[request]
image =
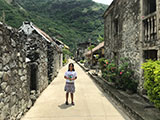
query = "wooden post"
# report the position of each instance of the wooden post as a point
(152, 28)
(145, 31)
(155, 27)
(149, 29)
(3, 17)
(158, 19)
(91, 52)
(91, 56)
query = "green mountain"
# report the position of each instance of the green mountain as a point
(71, 21)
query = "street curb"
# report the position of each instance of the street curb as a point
(120, 99)
(108, 89)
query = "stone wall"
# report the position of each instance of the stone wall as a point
(14, 85)
(50, 50)
(137, 36)
(26, 64)
(61, 59)
(55, 60)
(50, 62)
(123, 33)
(37, 54)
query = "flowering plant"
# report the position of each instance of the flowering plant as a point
(121, 74)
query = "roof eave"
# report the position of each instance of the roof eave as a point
(111, 6)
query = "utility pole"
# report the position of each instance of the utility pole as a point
(91, 52)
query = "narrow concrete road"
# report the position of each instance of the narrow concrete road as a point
(90, 103)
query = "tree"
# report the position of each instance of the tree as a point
(100, 39)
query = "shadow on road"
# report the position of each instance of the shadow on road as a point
(64, 106)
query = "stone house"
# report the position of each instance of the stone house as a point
(36, 38)
(131, 30)
(29, 59)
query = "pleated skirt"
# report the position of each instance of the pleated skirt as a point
(69, 87)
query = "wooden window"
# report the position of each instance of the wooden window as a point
(33, 76)
(150, 28)
(150, 54)
(149, 6)
(116, 26)
(115, 57)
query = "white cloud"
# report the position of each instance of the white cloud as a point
(108, 2)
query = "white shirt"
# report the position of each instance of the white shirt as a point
(70, 74)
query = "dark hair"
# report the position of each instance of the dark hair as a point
(72, 66)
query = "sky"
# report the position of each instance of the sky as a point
(108, 2)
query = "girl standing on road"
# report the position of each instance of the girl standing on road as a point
(70, 77)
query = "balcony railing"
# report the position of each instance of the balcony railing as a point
(150, 27)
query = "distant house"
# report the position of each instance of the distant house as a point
(131, 29)
(81, 49)
(96, 53)
(99, 49)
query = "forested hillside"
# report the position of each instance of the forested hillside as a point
(71, 21)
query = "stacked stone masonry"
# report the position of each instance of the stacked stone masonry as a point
(14, 86)
(37, 53)
(24, 70)
(130, 30)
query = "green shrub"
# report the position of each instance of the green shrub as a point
(81, 61)
(66, 52)
(110, 70)
(101, 63)
(125, 76)
(152, 81)
(107, 69)
(122, 74)
(65, 61)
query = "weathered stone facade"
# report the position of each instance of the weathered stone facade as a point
(131, 31)
(59, 48)
(52, 51)
(55, 60)
(37, 56)
(27, 63)
(14, 84)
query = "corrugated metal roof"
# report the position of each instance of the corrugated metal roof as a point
(65, 46)
(95, 49)
(46, 36)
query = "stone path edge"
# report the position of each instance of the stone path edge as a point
(116, 96)
(110, 94)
